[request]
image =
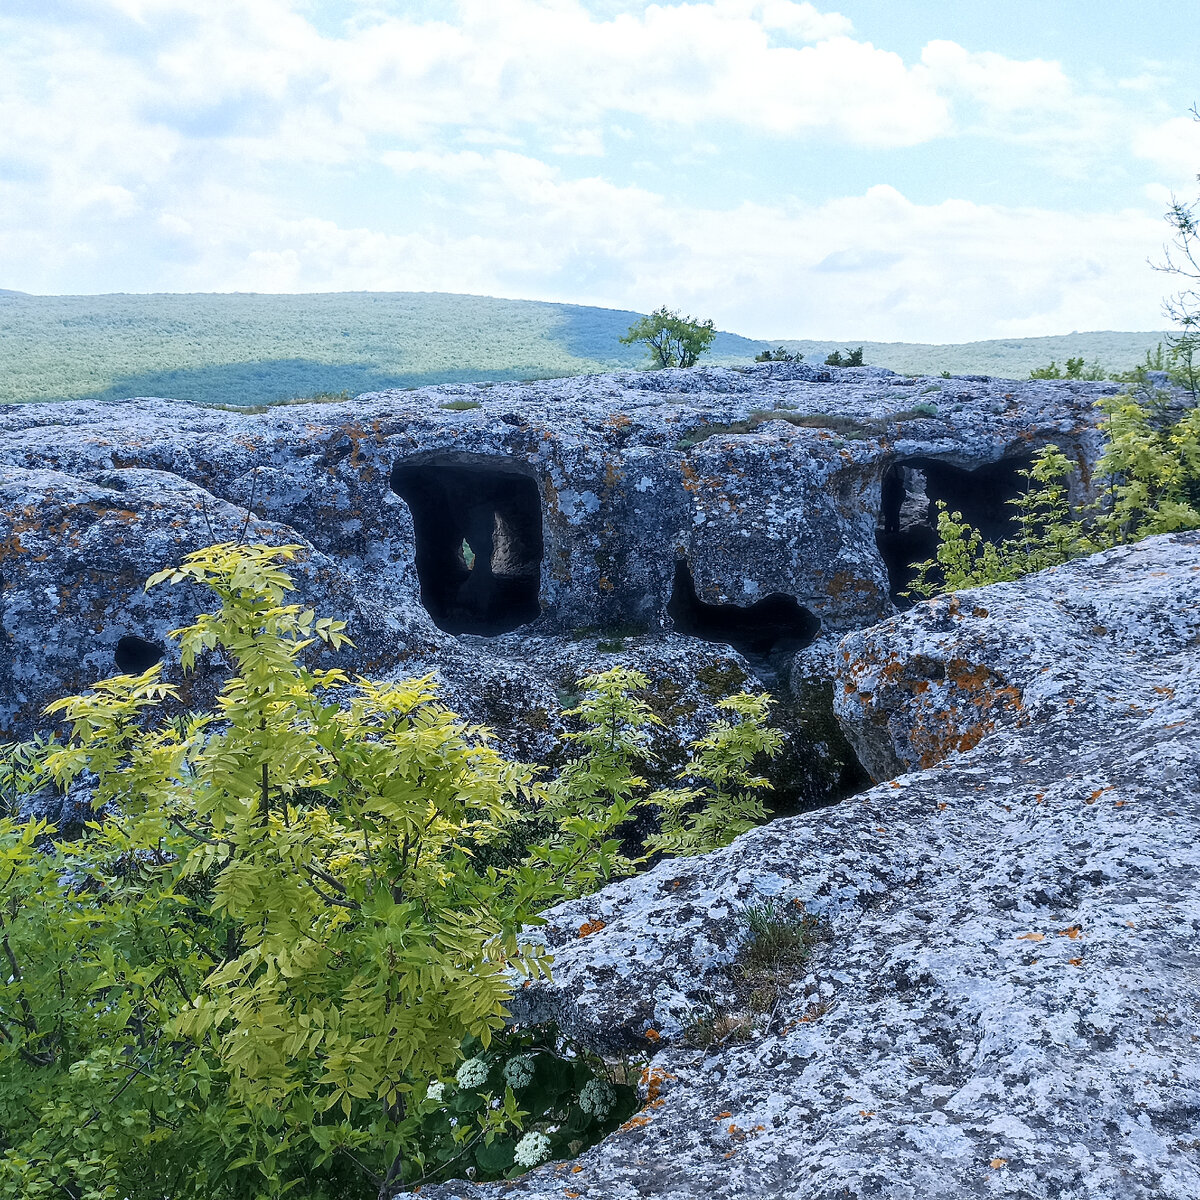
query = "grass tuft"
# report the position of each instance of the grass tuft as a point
(781, 942)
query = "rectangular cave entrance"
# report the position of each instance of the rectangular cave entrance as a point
(907, 528)
(478, 525)
(776, 625)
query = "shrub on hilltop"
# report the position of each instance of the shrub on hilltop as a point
(673, 341)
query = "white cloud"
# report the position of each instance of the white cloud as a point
(1173, 147)
(522, 63)
(179, 144)
(803, 21)
(1000, 84)
(1031, 102)
(872, 265)
(587, 143)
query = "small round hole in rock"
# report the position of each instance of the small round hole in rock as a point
(135, 654)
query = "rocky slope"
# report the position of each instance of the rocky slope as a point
(1008, 1001)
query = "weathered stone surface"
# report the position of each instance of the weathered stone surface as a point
(914, 689)
(76, 557)
(1013, 967)
(583, 495)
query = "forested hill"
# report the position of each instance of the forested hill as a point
(255, 349)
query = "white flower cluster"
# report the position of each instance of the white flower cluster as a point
(472, 1074)
(597, 1098)
(532, 1149)
(518, 1071)
(435, 1092)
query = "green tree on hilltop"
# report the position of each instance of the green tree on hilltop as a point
(1182, 258)
(673, 341)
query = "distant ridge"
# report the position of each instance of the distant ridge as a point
(247, 348)
(1010, 358)
(10, 292)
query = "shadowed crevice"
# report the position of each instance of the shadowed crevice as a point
(776, 624)
(906, 532)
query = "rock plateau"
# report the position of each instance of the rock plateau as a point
(716, 527)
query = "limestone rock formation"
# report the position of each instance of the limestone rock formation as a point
(1008, 997)
(1008, 1001)
(511, 536)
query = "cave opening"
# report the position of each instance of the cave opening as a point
(134, 654)
(907, 529)
(777, 625)
(478, 527)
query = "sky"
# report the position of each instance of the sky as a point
(926, 170)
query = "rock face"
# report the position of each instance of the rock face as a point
(476, 529)
(1008, 1001)
(957, 667)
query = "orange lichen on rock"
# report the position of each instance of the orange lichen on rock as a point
(846, 581)
(653, 1079)
(590, 927)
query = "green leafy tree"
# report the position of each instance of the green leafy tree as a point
(282, 906)
(673, 340)
(1075, 369)
(782, 354)
(725, 798)
(850, 358)
(252, 976)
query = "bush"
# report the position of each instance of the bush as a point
(673, 341)
(851, 358)
(568, 1098)
(242, 981)
(780, 355)
(1151, 472)
(1074, 370)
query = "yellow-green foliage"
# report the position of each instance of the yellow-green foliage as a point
(242, 980)
(1150, 469)
(725, 796)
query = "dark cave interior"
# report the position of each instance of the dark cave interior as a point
(478, 524)
(776, 624)
(907, 529)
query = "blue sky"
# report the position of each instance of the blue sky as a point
(933, 170)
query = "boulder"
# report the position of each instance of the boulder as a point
(1007, 1000)
(914, 689)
